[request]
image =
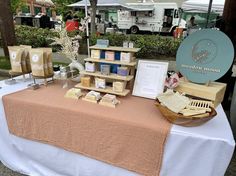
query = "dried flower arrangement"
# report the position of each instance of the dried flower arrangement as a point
(70, 48)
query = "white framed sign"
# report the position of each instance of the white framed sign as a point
(150, 78)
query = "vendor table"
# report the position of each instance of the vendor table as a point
(205, 150)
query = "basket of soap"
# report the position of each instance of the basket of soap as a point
(182, 110)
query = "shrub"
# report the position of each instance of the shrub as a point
(152, 46)
(36, 37)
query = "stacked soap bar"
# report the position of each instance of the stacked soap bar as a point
(89, 67)
(100, 83)
(126, 57)
(86, 81)
(118, 86)
(123, 71)
(110, 55)
(105, 69)
(95, 54)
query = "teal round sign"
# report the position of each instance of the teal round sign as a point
(205, 55)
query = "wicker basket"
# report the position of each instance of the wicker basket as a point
(187, 121)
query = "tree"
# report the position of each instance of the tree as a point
(17, 4)
(229, 20)
(228, 26)
(6, 25)
(93, 15)
(61, 5)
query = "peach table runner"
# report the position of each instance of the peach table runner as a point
(131, 136)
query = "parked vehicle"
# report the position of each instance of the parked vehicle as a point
(153, 17)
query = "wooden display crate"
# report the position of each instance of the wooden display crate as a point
(214, 91)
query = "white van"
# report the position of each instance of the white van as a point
(153, 17)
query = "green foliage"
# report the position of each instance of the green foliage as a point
(80, 15)
(5, 63)
(15, 4)
(61, 5)
(152, 46)
(36, 37)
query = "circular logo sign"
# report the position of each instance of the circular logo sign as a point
(35, 58)
(205, 55)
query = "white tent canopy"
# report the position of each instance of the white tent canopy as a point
(202, 6)
(105, 3)
(45, 2)
(100, 3)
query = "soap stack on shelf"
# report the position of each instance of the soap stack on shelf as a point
(109, 70)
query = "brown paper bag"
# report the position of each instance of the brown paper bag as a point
(16, 59)
(37, 62)
(48, 60)
(27, 48)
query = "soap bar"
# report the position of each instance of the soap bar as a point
(126, 57)
(100, 83)
(123, 71)
(95, 54)
(86, 81)
(73, 93)
(89, 67)
(108, 98)
(92, 95)
(110, 55)
(118, 86)
(105, 69)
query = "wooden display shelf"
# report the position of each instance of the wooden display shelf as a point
(114, 48)
(107, 90)
(111, 76)
(111, 62)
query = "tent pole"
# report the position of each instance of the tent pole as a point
(209, 12)
(87, 29)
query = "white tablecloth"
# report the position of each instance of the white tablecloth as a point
(197, 151)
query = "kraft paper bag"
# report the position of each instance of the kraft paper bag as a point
(16, 59)
(48, 60)
(37, 62)
(27, 48)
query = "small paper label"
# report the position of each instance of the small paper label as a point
(13, 55)
(35, 58)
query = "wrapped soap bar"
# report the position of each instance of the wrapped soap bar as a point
(92, 95)
(89, 67)
(118, 86)
(73, 93)
(86, 81)
(95, 54)
(110, 55)
(105, 69)
(123, 71)
(126, 57)
(100, 83)
(108, 98)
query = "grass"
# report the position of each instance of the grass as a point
(6, 65)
